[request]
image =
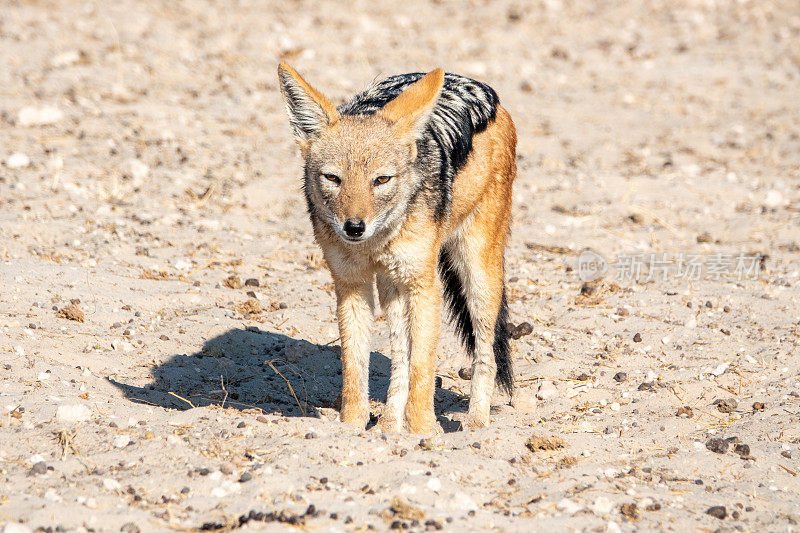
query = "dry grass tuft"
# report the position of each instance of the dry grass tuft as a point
(71, 312)
(536, 443)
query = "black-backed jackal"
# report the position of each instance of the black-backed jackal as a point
(409, 183)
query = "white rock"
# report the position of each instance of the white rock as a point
(73, 413)
(56, 163)
(692, 322)
(13, 527)
(568, 506)
(136, 169)
(65, 59)
(602, 505)
(182, 264)
(434, 484)
(613, 527)
(33, 459)
(614, 406)
(774, 199)
(120, 441)
(218, 492)
(18, 160)
(464, 502)
(546, 390)
(52, 495)
(407, 489)
(112, 484)
(39, 116)
(719, 370)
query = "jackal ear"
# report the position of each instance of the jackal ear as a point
(309, 111)
(410, 110)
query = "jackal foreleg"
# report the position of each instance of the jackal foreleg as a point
(425, 304)
(394, 302)
(354, 311)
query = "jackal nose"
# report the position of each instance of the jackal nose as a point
(354, 227)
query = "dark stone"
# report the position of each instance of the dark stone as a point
(717, 445)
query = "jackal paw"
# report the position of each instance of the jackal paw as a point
(357, 417)
(389, 424)
(425, 426)
(477, 420)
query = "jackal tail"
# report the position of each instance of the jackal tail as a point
(456, 300)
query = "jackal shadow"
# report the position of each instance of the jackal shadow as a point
(247, 369)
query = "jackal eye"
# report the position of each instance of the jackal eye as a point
(332, 177)
(380, 180)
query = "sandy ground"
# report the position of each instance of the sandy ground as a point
(146, 158)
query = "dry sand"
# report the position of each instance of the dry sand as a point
(146, 158)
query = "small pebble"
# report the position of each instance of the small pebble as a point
(637, 337)
(233, 282)
(546, 391)
(251, 282)
(245, 477)
(38, 469)
(619, 377)
(758, 406)
(522, 330)
(717, 445)
(623, 311)
(704, 237)
(728, 405)
(718, 511)
(742, 449)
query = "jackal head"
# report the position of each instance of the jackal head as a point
(359, 169)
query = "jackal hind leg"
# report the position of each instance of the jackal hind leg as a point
(479, 265)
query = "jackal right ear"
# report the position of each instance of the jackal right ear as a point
(309, 111)
(410, 110)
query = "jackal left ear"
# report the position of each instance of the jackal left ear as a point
(309, 111)
(410, 110)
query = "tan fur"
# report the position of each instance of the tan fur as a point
(317, 96)
(405, 261)
(407, 110)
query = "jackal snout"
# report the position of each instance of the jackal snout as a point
(354, 227)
